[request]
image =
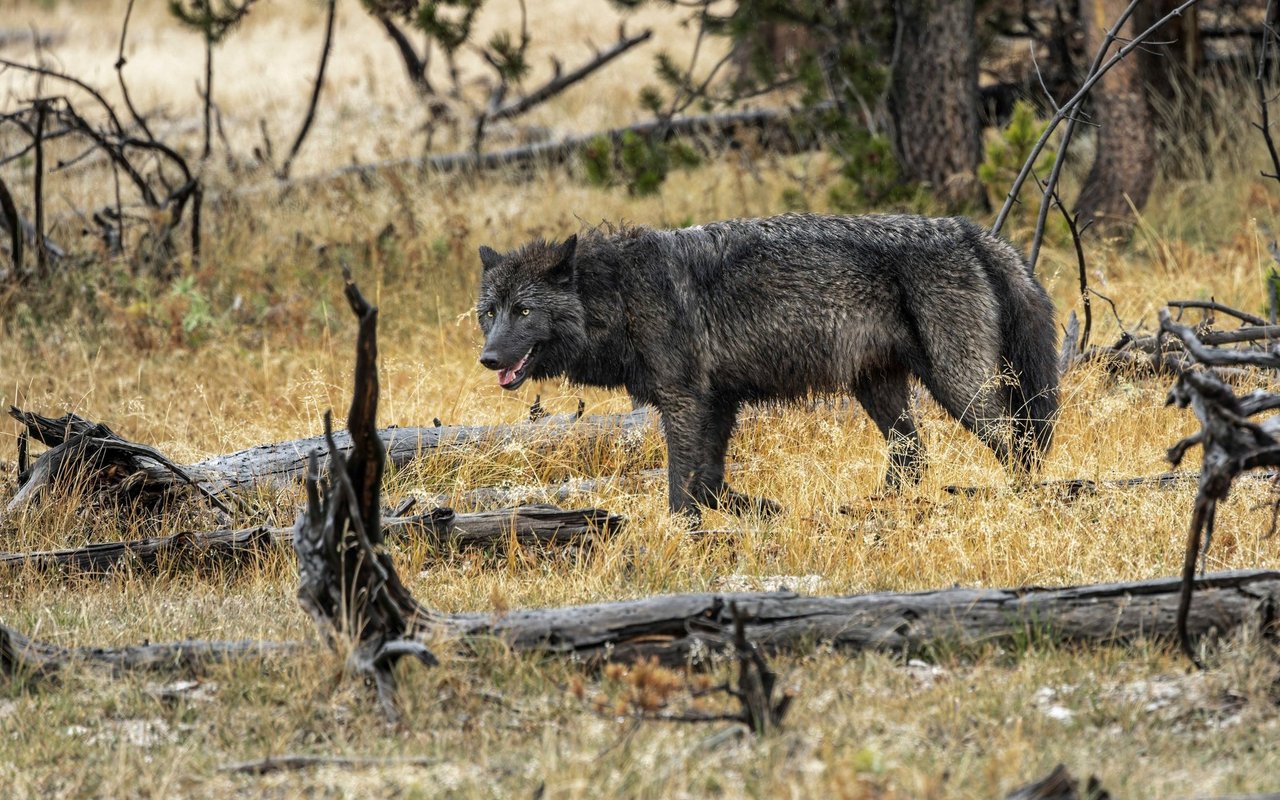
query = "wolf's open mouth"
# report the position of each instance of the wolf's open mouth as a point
(513, 376)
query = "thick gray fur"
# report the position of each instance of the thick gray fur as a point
(699, 320)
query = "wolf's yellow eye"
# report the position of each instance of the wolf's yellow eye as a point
(489, 313)
(524, 312)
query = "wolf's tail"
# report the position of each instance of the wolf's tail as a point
(1029, 346)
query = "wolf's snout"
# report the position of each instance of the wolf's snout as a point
(489, 360)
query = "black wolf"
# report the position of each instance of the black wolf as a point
(699, 320)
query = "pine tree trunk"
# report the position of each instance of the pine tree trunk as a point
(934, 97)
(1125, 162)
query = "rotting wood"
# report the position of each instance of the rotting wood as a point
(527, 526)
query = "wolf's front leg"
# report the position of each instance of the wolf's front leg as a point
(683, 422)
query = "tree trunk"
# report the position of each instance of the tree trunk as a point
(1123, 168)
(934, 98)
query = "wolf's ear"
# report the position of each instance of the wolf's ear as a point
(562, 269)
(489, 258)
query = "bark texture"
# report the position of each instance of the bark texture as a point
(934, 97)
(1124, 166)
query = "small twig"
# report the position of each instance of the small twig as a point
(1072, 220)
(124, 89)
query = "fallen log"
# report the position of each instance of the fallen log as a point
(285, 462)
(780, 132)
(679, 627)
(688, 627)
(528, 526)
(22, 658)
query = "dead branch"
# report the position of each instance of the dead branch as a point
(1212, 305)
(1068, 110)
(325, 48)
(120, 145)
(1231, 443)
(1260, 86)
(138, 119)
(559, 83)
(444, 529)
(42, 255)
(1051, 185)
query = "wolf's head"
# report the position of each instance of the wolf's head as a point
(530, 311)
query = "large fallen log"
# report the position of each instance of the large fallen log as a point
(285, 462)
(528, 526)
(679, 627)
(688, 627)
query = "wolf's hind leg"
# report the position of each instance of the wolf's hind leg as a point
(887, 401)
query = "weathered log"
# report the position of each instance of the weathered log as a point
(780, 132)
(285, 462)
(289, 763)
(528, 526)
(675, 628)
(22, 658)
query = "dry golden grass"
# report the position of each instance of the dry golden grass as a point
(256, 345)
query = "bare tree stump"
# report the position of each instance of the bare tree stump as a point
(347, 581)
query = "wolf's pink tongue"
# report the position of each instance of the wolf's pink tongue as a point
(508, 376)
